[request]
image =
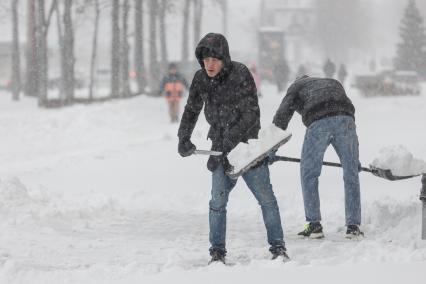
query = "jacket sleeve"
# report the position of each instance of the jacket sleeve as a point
(287, 107)
(248, 107)
(192, 110)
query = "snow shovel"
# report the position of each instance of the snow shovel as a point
(207, 152)
(383, 173)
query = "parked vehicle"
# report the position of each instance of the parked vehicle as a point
(389, 83)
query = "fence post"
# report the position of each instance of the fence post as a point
(423, 199)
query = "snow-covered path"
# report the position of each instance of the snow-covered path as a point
(98, 194)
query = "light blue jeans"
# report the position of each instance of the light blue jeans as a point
(257, 180)
(339, 131)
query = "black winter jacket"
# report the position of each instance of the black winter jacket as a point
(313, 98)
(229, 99)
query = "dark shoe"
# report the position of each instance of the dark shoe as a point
(354, 232)
(312, 230)
(278, 251)
(218, 255)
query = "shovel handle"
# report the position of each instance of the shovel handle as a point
(330, 164)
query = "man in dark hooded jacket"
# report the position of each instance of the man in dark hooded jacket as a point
(329, 116)
(228, 93)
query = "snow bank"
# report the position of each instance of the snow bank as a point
(244, 153)
(400, 161)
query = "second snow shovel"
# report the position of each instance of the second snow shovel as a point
(383, 173)
(207, 152)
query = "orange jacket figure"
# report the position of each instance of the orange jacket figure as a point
(172, 87)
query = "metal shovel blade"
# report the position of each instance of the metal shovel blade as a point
(387, 174)
(207, 152)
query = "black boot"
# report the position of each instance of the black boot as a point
(218, 255)
(353, 232)
(278, 251)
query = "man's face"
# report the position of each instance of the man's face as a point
(212, 66)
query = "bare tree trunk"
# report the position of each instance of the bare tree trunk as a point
(31, 87)
(125, 51)
(62, 53)
(16, 61)
(163, 32)
(115, 49)
(185, 34)
(139, 49)
(42, 67)
(198, 13)
(68, 53)
(153, 64)
(94, 49)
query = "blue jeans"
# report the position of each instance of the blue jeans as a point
(339, 131)
(257, 180)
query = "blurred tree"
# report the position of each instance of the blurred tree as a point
(31, 51)
(16, 63)
(163, 8)
(42, 64)
(68, 53)
(185, 33)
(94, 48)
(115, 49)
(139, 47)
(125, 92)
(411, 52)
(153, 60)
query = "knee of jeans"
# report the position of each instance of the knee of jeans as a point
(218, 205)
(310, 174)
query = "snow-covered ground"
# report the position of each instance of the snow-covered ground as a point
(98, 194)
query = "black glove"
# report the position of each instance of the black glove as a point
(185, 147)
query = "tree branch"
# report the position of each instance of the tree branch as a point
(49, 17)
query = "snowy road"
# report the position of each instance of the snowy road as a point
(98, 194)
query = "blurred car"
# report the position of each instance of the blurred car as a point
(389, 83)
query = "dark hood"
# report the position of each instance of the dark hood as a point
(218, 44)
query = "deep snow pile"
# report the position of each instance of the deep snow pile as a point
(400, 161)
(98, 194)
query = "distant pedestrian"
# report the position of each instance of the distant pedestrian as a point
(342, 73)
(172, 87)
(281, 74)
(329, 68)
(256, 77)
(301, 71)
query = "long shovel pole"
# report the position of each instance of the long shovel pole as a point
(331, 164)
(423, 199)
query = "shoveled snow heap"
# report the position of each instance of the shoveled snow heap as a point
(400, 161)
(245, 153)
